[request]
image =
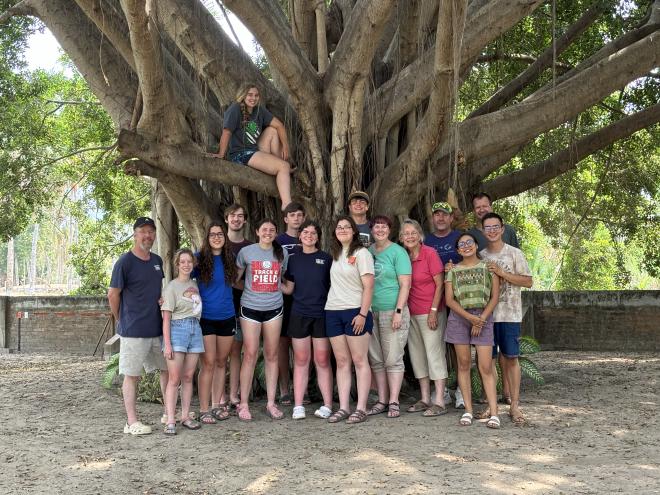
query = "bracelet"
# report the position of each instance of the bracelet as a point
(363, 316)
(434, 309)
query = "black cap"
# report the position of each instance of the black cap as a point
(142, 221)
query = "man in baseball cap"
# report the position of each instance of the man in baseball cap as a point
(358, 206)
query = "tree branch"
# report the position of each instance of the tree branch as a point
(23, 7)
(568, 158)
(189, 162)
(508, 92)
(357, 45)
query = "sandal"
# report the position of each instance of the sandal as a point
(207, 418)
(170, 429)
(359, 416)
(338, 415)
(517, 418)
(494, 423)
(274, 413)
(220, 413)
(285, 400)
(378, 408)
(484, 414)
(435, 410)
(243, 413)
(191, 424)
(505, 399)
(418, 406)
(393, 410)
(466, 419)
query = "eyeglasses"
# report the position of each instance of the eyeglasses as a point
(409, 234)
(342, 228)
(492, 228)
(216, 235)
(465, 244)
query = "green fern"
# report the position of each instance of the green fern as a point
(529, 345)
(149, 388)
(475, 381)
(452, 379)
(498, 384)
(111, 370)
(529, 369)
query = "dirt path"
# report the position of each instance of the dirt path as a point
(593, 428)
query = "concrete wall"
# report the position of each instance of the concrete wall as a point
(594, 321)
(66, 324)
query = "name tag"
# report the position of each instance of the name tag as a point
(320, 262)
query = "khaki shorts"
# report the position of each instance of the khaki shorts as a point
(137, 353)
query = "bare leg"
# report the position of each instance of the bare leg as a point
(506, 381)
(234, 369)
(359, 347)
(271, 331)
(222, 350)
(301, 357)
(380, 377)
(486, 371)
(251, 334)
(425, 389)
(129, 392)
(343, 359)
(174, 369)
(464, 360)
(439, 392)
(394, 379)
(206, 373)
(511, 369)
(272, 165)
(189, 367)
(323, 369)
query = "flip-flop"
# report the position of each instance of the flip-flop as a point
(435, 410)
(418, 406)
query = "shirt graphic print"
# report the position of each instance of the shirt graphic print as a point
(265, 275)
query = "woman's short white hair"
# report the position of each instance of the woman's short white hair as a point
(415, 225)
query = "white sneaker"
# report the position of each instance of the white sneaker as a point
(298, 412)
(460, 403)
(447, 396)
(137, 428)
(323, 412)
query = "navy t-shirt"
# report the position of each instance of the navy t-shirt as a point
(445, 246)
(288, 242)
(141, 284)
(217, 298)
(311, 274)
(245, 137)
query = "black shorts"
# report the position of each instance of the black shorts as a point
(286, 315)
(301, 327)
(256, 316)
(220, 328)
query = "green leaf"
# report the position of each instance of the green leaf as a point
(475, 380)
(529, 345)
(529, 369)
(111, 370)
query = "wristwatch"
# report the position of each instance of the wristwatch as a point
(398, 311)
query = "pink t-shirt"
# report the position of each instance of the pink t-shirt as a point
(422, 288)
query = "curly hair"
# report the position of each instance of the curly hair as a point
(206, 257)
(335, 246)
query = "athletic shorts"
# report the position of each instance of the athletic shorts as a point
(219, 328)
(301, 327)
(257, 316)
(186, 336)
(136, 354)
(459, 330)
(507, 338)
(339, 322)
(242, 157)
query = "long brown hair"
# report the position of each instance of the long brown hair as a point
(240, 99)
(335, 246)
(226, 255)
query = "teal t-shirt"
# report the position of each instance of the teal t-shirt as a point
(388, 264)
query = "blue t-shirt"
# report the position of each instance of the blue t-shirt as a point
(217, 298)
(445, 246)
(140, 282)
(311, 274)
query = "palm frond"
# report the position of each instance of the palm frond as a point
(529, 345)
(529, 369)
(111, 370)
(498, 383)
(475, 381)
(452, 379)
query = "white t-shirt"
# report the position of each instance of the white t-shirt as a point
(511, 260)
(182, 299)
(345, 282)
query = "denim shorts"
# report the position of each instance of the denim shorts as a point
(242, 156)
(338, 322)
(507, 338)
(186, 335)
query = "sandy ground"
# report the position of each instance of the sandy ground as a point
(593, 428)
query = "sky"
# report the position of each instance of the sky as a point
(44, 50)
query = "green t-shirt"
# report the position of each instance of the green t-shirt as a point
(388, 264)
(471, 285)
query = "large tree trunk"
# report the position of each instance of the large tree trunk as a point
(368, 90)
